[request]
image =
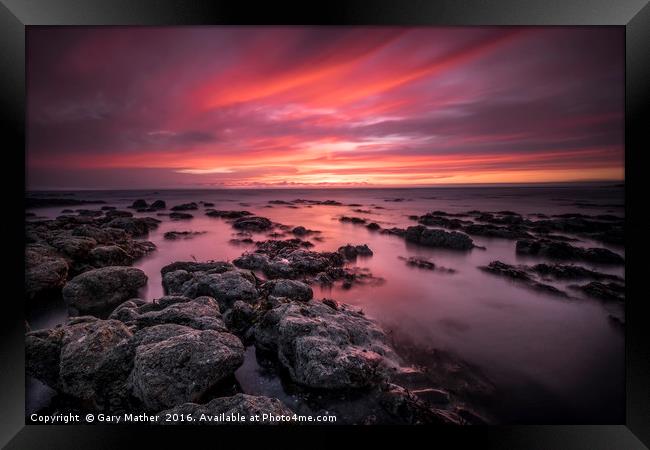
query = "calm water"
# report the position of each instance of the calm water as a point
(552, 360)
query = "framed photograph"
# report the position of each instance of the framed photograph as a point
(345, 218)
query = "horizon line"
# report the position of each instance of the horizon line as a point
(612, 183)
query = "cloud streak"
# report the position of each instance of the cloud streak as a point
(323, 106)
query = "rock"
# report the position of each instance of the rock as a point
(201, 313)
(115, 213)
(565, 251)
(418, 262)
(159, 204)
(572, 272)
(227, 214)
(252, 223)
(291, 289)
(175, 235)
(239, 317)
(521, 276)
(326, 348)
(103, 236)
(84, 353)
(74, 247)
(401, 232)
(406, 407)
(226, 287)
(185, 207)
(438, 238)
(183, 367)
(373, 226)
(506, 270)
(350, 252)
(70, 358)
(89, 212)
(603, 291)
(431, 395)
(208, 204)
(135, 226)
(355, 220)
(140, 203)
(441, 220)
(45, 271)
(302, 231)
(108, 208)
(240, 405)
(494, 231)
(110, 255)
(103, 288)
(192, 266)
(180, 216)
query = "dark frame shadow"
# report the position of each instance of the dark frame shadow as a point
(634, 15)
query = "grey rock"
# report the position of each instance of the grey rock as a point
(326, 348)
(103, 288)
(183, 367)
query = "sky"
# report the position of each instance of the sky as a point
(270, 107)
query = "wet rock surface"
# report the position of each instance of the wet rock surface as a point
(438, 238)
(176, 235)
(240, 404)
(99, 289)
(326, 348)
(564, 251)
(521, 276)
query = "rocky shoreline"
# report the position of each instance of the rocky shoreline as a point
(179, 353)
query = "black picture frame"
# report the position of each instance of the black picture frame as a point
(634, 15)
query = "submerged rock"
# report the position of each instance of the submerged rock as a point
(603, 291)
(103, 288)
(175, 235)
(521, 276)
(351, 252)
(563, 250)
(180, 216)
(227, 214)
(238, 405)
(185, 207)
(252, 223)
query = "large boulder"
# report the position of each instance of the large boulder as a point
(70, 358)
(240, 405)
(100, 289)
(326, 345)
(183, 367)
